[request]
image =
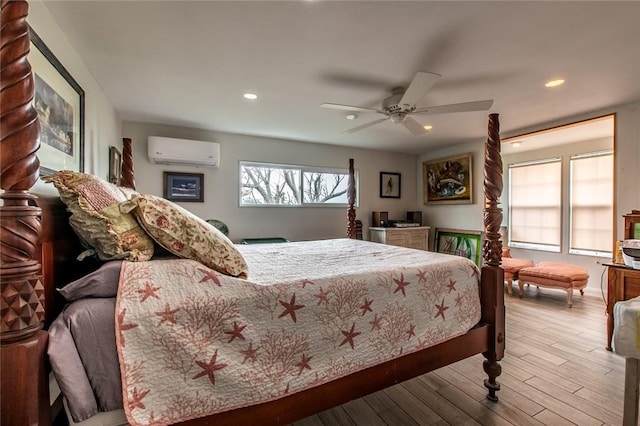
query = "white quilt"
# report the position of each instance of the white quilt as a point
(193, 342)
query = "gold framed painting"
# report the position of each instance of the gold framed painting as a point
(448, 180)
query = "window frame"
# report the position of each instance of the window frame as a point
(302, 170)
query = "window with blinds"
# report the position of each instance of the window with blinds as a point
(591, 204)
(535, 206)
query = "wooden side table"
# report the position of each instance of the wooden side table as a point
(623, 283)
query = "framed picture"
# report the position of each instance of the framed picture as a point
(59, 102)
(389, 185)
(460, 243)
(184, 186)
(448, 180)
(115, 165)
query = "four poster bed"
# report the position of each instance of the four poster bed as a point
(39, 250)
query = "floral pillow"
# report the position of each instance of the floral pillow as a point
(96, 217)
(186, 235)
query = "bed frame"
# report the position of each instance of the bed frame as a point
(38, 251)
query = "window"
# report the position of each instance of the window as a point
(535, 208)
(591, 204)
(265, 184)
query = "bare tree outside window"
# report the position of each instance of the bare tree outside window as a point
(276, 185)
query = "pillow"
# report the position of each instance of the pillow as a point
(186, 235)
(103, 282)
(96, 217)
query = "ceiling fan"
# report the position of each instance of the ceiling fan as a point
(401, 105)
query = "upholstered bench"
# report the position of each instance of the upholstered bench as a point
(511, 266)
(555, 275)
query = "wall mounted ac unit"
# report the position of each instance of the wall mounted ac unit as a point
(183, 152)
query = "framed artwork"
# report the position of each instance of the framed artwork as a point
(59, 102)
(460, 243)
(183, 186)
(448, 180)
(389, 185)
(115, 165)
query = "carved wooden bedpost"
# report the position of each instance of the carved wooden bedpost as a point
(25, 386)
(126, 175)
(492, 255)
(351, 199)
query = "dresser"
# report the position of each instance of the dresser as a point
(415, 237)
(623, 283)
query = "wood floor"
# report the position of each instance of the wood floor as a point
(555, 372)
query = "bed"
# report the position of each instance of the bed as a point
(39, 252)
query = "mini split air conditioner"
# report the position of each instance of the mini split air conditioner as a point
(183, 152)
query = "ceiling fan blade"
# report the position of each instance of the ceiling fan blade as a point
(364, 126)
(462, 107)
(348, 107)
(420, 85)
(414, 127)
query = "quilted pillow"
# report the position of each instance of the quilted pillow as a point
(186, 235)
(96, 217)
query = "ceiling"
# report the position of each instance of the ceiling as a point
(189, 63)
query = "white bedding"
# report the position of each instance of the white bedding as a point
(192, 342)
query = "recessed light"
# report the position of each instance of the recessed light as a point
(250, 96)
(516, 144)
(554, 83)
(427, 127)
(351, 116)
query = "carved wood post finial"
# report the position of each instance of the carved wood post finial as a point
(351, 199)
(492, 247)
(127, 178)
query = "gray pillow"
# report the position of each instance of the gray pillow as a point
(103, 282)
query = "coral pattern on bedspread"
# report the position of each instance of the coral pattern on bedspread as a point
(193, 342)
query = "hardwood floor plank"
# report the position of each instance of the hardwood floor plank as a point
(397, 416)
(413, 406)
(550, 418)
(603, 414)
(335, 416)
(362, 413)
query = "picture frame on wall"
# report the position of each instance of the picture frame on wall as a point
(115, 165)
(448, 180)
(59, 103)
(390, 185)
(460, 242)
(186, 187)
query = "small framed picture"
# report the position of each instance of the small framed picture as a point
(184, 186)
(389, 185)
(115, 165)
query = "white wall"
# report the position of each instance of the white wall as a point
(221, 189)
(102, 125)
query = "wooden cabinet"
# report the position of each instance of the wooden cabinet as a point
(623, 283)
(415, 237)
